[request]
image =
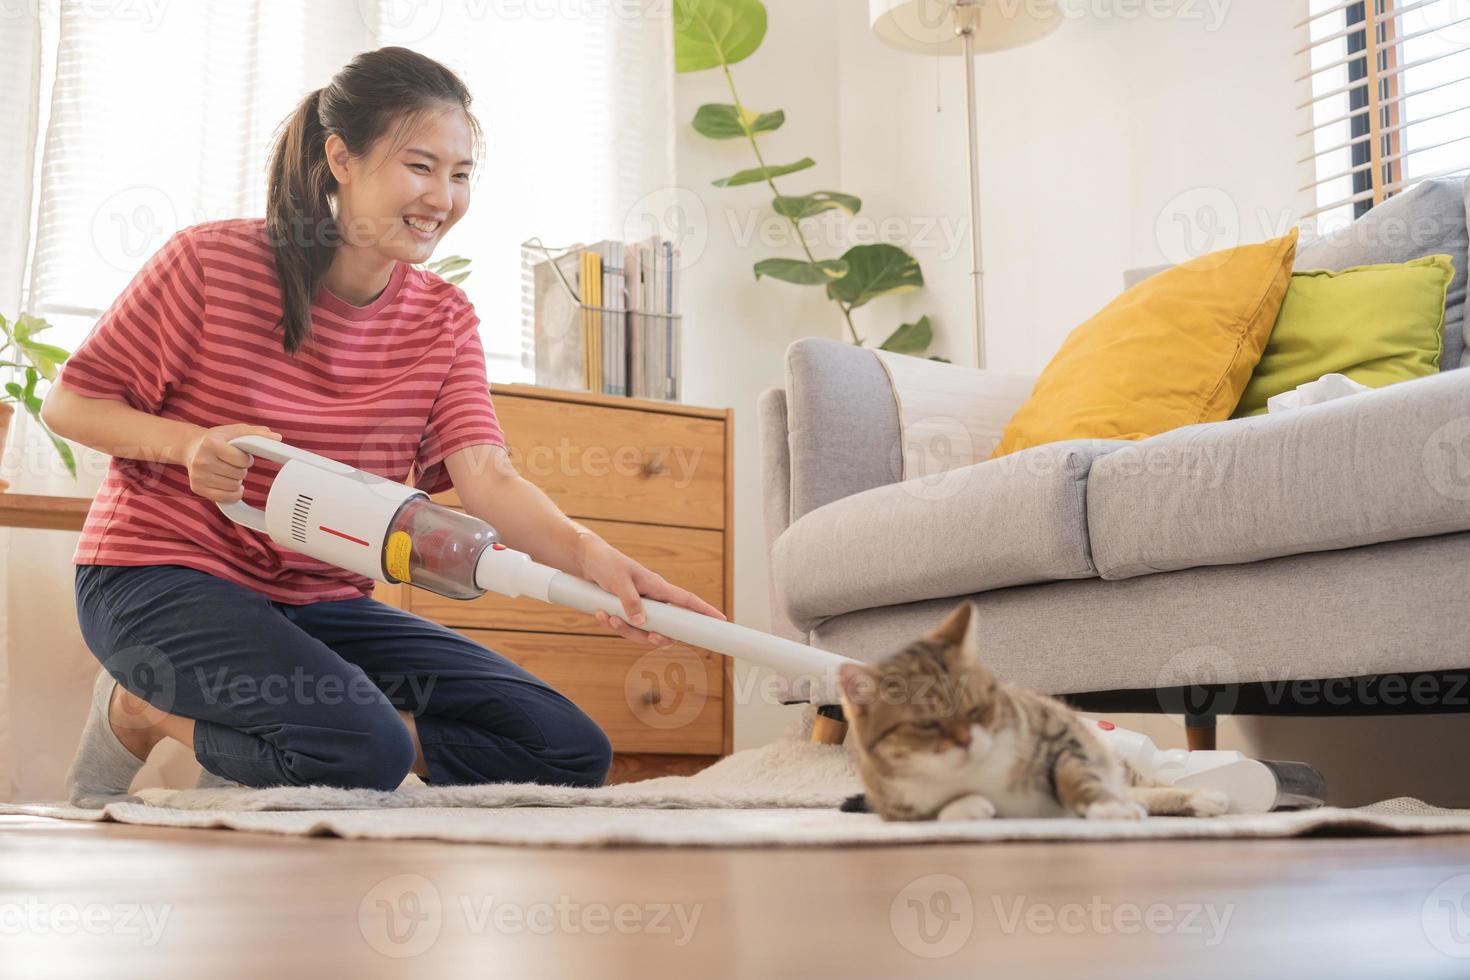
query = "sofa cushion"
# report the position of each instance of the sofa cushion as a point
(1426, 219)
(1375, 324)
(1379, 609)
(1377, 466)
(1009, 521)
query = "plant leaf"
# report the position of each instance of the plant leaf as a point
(755, 174)
(711, 33)
(49, 351)
(458, 278)
(28, 326)
(62, 449)
(38, 354)
(800, 272)
(15, 390)
(806, 205)
(725, 122)
(910, 338)
(452, 263)
(876, 270)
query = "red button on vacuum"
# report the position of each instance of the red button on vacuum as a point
(498, 546)
(1106, 726)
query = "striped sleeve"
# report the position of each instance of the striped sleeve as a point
(142, 345)
(462, 414)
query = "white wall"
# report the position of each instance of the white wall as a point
(1087, 138)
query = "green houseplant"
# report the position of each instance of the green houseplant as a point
(40, 362)
(711, 34)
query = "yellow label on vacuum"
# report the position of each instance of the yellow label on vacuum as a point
(400, 546)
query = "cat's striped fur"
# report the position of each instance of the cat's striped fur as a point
(937, 736)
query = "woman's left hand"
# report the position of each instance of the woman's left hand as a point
(625, 578)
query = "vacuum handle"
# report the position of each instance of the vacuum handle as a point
(279, 452)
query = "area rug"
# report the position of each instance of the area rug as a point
(786, 793)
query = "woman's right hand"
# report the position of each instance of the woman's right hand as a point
(216, 468)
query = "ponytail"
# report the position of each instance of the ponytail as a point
(299, 221)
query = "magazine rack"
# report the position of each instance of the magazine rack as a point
(558, 359)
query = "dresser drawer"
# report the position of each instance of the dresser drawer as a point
(690, 558)
(620, 464)
(647, 699)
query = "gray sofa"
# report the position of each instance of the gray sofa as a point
(1229, 567)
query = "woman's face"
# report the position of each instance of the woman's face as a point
(426, 178)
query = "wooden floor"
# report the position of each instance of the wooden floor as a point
(115, 900)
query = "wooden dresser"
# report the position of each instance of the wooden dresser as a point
(654, 479)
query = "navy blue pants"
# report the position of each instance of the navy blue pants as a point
(308, 694)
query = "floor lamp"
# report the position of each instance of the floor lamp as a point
(966, 28)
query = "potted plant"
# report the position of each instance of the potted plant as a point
(39, 361)
(715, 34)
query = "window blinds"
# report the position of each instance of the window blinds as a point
(1388, 102)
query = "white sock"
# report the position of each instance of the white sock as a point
(103, 769)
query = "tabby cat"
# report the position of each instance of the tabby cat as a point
(936, 735)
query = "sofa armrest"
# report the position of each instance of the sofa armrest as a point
(859, 418)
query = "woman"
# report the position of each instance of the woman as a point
(310, 326)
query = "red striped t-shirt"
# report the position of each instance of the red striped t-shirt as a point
(395, 384)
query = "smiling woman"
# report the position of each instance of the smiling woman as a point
(358, 182)
(314, 326)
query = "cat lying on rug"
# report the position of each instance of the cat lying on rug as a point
(937, 736)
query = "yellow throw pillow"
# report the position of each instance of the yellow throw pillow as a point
(1174, 350)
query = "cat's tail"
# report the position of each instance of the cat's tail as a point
(857, 803)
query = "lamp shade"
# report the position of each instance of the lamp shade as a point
(928, 26)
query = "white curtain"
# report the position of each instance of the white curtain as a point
(130, 123)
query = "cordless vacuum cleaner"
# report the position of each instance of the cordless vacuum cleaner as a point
(394, 533)
(1253, 785)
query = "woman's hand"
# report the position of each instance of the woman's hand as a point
(615, 572)
(216, 468)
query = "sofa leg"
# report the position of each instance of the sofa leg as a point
(830, 726)
(1199, 731)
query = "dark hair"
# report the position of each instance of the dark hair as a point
(391, 87)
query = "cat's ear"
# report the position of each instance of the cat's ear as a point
(960, 625)
(960, 633)
(856, 683)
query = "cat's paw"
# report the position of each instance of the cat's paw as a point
(1206, 803)
(1115, 810)
(972, 807)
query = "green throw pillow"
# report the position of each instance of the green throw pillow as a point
(1377, 324)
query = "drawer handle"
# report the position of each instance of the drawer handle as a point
(653, 466)
(652, 696)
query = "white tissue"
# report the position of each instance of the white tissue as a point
(1324, 389)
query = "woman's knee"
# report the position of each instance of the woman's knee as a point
(375, 752)
(583, 753)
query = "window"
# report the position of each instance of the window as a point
(133, 123)
(1389, 101)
